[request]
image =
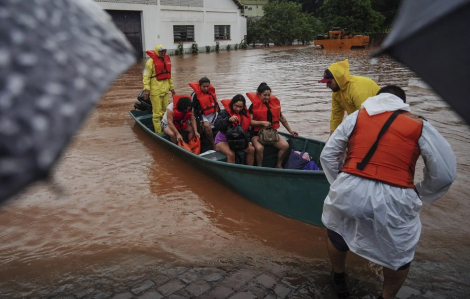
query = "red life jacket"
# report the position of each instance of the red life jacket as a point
(208, 101)
(260, 110)
(180, 119)
(162, 68)
(244, 119)
(398, 150)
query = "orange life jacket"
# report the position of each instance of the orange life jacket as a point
(244, 119)
(162, 68)
(260, 110)
(208, 101)
(398, 150)
(180, 119)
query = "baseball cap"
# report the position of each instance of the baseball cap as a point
(327, 77)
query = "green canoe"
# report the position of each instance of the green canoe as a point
(295, 193)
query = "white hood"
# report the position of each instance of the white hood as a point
(384, 102)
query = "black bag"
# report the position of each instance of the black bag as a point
(236, 138)
(143, 105)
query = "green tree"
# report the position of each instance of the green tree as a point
(283, 23)
(308, 6)
(355, 15)
(388, 8)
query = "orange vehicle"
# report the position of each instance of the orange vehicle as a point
(341, 39)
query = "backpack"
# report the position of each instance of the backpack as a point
(236, 138)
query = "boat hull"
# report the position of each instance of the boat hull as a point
(294, 193)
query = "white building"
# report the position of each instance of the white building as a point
(147, 23)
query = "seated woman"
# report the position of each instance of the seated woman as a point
(205, 102)
(179, 117)
(266, 107)
(235, 113)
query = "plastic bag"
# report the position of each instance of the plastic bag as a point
(184, 145)
(295, 161)
(311, 166)
(195, 145)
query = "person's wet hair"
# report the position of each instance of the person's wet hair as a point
(395, 90)
(204, 80)
(238, 98)
(263, 87)
(183, 104)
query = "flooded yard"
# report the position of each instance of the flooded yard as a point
(118, 204)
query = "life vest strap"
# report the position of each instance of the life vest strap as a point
(373, 148)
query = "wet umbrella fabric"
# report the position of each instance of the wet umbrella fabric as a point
(56, 59)
(433, 39)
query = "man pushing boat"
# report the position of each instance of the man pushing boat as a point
(373, 205)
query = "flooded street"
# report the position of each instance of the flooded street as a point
(119, 205)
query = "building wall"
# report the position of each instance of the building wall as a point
(159, 17)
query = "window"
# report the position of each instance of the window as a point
(222, 32)
(183, 33)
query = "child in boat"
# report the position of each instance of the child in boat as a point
(179, 117)
(235, 113)
(205, 102)
(266, 108)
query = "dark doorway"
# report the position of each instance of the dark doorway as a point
(130, 24)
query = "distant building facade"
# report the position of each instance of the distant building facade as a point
(253, 8)
(147, 23)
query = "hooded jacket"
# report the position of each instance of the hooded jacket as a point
(379, 221)
(354, 90)
(156, 87)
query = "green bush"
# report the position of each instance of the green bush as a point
(194, 48)
(228, 47)
(217, 47)
(243, 45)
(180, 49)
(236, 46)
(208, 49)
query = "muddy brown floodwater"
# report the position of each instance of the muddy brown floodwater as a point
(118, 203)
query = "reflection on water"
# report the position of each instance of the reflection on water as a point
(118, 202)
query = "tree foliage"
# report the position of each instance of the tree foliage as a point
(283, 23)
(356, 15)
(350, 13)
(308, 6)
(388, 8)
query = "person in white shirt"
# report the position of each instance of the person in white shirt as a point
(373, 205)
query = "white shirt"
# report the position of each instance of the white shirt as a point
(165, 118)
(378, 221)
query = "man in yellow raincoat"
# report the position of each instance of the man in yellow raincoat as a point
(349, 92)
(157, 83)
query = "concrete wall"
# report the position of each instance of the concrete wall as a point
(159, 16)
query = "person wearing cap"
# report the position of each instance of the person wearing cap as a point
(157, 83)
(373, 206)
(349, 92)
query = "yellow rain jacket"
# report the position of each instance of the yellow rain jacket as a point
(158, 91)
(354, 90)
(156, 87)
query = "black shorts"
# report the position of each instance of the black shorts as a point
(339, 243)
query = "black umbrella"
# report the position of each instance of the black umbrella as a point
(56, 59)
(433, 39)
